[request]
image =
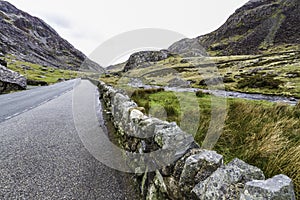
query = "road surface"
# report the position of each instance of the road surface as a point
(19, 102)
(42, 156)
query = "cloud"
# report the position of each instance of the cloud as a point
(90, 23)
(58, 20)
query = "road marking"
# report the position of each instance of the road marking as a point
(15, 114)
(63, 92)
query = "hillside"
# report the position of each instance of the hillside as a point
(30, 39)
(257, 50)
(252, 29)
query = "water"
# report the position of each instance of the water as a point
(222, 93)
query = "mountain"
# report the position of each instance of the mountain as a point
(255, 27)
(30, 39)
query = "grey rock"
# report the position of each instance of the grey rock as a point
(10, 80)
(121, 106)
(227, 182)
(146, 126)
(181, 162)
(197, 168)
(173, 140)
(188, 48)
(279, 187)
(159, 183)
(139, 58)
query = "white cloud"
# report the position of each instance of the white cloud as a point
(86, 24)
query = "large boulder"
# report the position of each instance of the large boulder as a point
(10, 80)
(188, 48)
(136, 59)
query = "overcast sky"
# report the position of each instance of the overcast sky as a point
(87, 24)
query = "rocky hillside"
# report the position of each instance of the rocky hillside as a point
(136, 59)
(253, 28)
(30, 39)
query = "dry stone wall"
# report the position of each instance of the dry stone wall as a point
(195, 173)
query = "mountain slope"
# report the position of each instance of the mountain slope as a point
(253, 28)
(30, 39)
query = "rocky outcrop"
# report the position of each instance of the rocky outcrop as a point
(182, 170)
(255, 27)
(137, 59)
(11, 81)
(188, 48)
(30, 39)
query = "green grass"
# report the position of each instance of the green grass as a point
(261, 133)
(278, 62)
(264, 134)
(36, 72)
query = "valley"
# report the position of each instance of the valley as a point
(241, 80)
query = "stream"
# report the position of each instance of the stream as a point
(222, 93)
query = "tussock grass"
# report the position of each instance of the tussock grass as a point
(263, 134)
(267, 137)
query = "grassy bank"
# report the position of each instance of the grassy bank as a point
(263, 134)
(41, 75)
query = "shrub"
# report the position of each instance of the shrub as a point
(259, 81)
(142, 93)
(200, 93)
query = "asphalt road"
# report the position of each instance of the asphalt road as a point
(19, 102)
(42, 156)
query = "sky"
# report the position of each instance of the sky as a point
(87, 24)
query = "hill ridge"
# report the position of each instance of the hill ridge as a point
(31, 39)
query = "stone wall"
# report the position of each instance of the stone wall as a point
(195, 173)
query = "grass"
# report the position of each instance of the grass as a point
(263, 134)
(277, 62)
(260, 81)
(42, 75)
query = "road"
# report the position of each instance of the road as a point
(19, 102)
(42, 156)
